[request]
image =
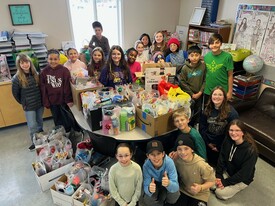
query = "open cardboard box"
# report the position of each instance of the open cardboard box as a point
(76, 94)
(155, 126)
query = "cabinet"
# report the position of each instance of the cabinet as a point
(11, 112)
(246, 87)
(199, 35)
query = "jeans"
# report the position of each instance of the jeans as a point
(35, 121)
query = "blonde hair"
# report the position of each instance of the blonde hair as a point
(21, 57)
(163, 43)
(179, 114)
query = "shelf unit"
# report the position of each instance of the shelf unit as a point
(246, 87)
(25, 41)
(199, 35)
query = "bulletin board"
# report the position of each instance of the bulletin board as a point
(20, 14)
(255, 30)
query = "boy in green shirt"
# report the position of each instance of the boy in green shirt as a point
(219, 68)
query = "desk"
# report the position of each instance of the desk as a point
(135, 135)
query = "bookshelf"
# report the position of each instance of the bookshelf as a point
(199, 35)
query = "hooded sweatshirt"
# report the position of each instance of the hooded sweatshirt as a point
(238, 161)
(55, 86)
(196, 171)
(192, 77)
(150, 172)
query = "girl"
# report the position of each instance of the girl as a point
(76, 67)
(133, 65)
(116, 71)
(145, 39)
(213, 122)
(25, 89)
(97, 62)
(176, 56)
(236, 164)
(158, 43)
(125, 177)
(143, 55)
(195, 175)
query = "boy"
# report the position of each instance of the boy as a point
(195, 175)
(219, 68)
(192, 80)
(98, 40)
(181, 121)
(56, 91)
(161, 185)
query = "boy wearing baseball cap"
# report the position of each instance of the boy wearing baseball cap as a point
(161, 185)
(195, 175)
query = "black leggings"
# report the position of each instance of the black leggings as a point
(185, 200)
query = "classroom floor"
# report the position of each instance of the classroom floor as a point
(19, 187)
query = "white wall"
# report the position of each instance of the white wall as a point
(49, 17)
(52, 18)
(227, 10)
(148, 16)
(186, 10)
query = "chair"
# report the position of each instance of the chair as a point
(103, 144)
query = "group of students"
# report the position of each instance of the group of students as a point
(184, 175)
(51, 89)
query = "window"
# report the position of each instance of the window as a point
(84, 12)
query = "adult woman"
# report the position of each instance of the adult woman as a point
(213, 121)
(236, 164)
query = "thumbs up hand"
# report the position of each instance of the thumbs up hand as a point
(152, 186)
(165, 180)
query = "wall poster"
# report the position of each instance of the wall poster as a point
(255, 30)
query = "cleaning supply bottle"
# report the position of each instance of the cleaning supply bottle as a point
(123, 120)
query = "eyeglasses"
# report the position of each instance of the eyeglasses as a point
(237, 130)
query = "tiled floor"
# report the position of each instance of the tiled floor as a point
(18, 186)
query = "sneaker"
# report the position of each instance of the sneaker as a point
(32, 147)
(213, 188)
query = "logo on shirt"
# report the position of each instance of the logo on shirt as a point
(53, 81)
(213, 67)
(194, 74)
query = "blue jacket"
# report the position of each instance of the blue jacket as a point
(150, 172)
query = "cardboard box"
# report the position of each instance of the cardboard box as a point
(47, 180)
(155, 126)
(76, 94)
(154, 75)
(154, 65)
(60, 198)
(95, 119)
